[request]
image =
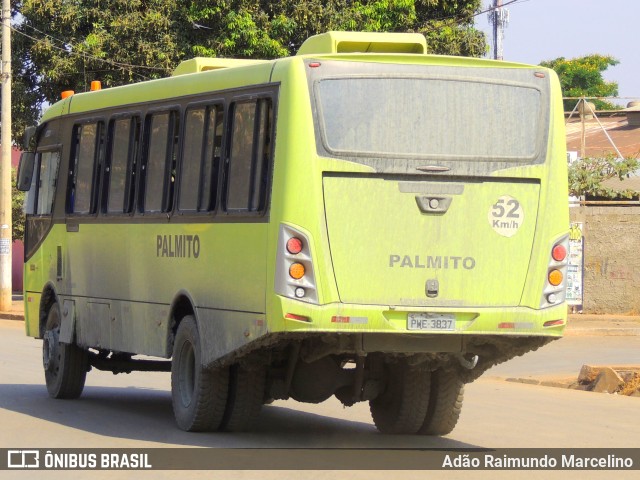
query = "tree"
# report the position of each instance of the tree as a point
(17, 217)
(586, 176)
(582, 77)
(64, 44)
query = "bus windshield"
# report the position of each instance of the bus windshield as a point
(440, 117)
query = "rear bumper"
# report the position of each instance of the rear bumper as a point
(292, 316)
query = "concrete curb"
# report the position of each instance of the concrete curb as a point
(601, 332)
(602, 325)
(543, 383)
(12, 316)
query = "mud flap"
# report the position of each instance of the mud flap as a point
(68, 322)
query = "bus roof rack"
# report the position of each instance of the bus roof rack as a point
(203, 64)
(364, 42)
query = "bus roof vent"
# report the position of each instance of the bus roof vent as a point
(364, 42)
(203, 64)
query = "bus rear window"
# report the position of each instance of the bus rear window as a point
(451, 118)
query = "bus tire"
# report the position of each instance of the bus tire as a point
(445, 403)
(198, 395)
(402, 407)
(65, 366)
(246, 396)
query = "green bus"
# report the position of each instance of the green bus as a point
(361, 220)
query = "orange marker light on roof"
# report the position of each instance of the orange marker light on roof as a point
(66, 94)
(96, 85)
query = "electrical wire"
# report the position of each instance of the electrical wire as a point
(490, 9)
(68, 49)
(91, 56)
(460, 18)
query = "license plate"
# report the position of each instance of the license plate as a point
(438, 322)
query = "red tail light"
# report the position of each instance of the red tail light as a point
(559, 253)
(294, 245)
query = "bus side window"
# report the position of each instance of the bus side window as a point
(192, 158)
(159, 167)
(240, 157)
(211, 164)
(262, 155)
(47, 179)
(135, 158)
(246, 175)
(123, 140)
(200, 158)
(86, 148)
(216, 131)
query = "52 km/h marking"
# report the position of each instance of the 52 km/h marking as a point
(506, 216)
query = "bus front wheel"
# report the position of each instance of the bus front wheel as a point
(402, 406)
(198, 395)
(65, 366)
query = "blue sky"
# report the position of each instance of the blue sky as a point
(546, 29)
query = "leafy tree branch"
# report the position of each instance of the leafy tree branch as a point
(586, 176)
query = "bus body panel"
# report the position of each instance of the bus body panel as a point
(474, 240)
(102, 262)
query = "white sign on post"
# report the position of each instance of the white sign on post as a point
(575, 268)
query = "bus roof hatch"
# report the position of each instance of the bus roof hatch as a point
(364, 42)
(203, 64)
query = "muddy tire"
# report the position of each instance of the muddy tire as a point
(198, 395)
(246, 396)
(402, 407)
(65, 366)
(445, 403)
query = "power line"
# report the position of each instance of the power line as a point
(68, 49)
(91, 56)
(482, 12)
(83, 55)
(490, 9)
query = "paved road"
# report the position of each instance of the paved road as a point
(135, 411)
(565, 357)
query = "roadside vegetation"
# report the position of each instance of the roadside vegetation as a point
(61, 46)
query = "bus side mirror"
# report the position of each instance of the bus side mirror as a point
(25, 171)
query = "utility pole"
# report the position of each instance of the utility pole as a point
(583, 132)
(5, 163)
(499, 18)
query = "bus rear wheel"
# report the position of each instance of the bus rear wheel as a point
(198, 395)
(445, 403)
(246, 396)
(402, 406)
(65, 366)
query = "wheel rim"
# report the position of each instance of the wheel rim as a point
(187, 373)
(51, 352)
